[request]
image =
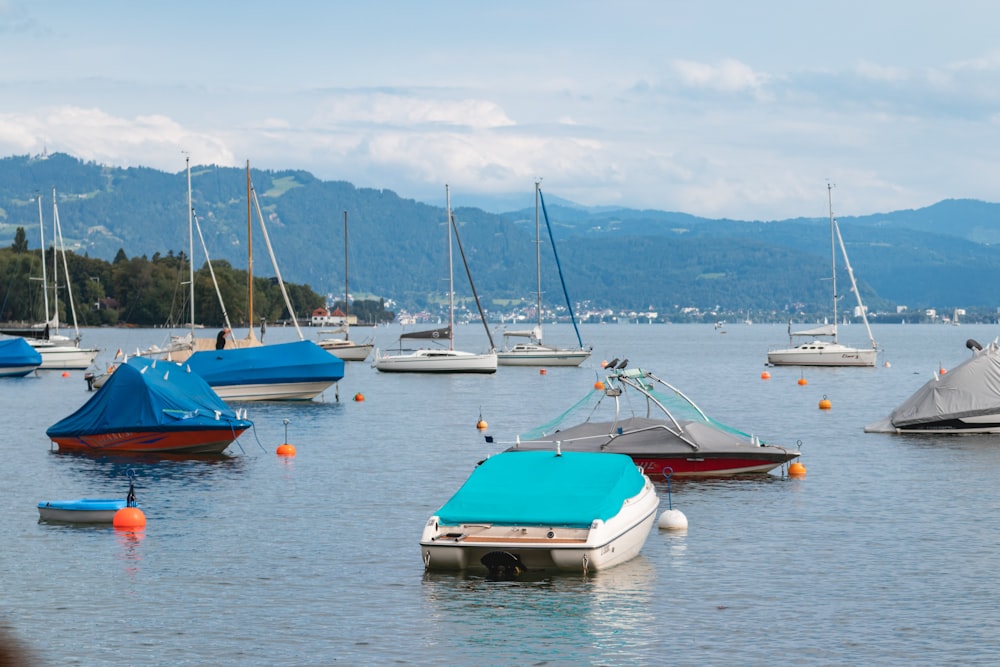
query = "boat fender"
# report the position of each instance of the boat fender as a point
(973, 344)
(503, 564)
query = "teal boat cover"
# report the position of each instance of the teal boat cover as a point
(542, 488)
(150, 396)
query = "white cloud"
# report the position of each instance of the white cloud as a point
(92, 134)
(728, 76)
(409, 111)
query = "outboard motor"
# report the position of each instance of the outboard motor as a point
(973, 345)
(503, 564)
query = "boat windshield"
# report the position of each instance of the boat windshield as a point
(630, 393)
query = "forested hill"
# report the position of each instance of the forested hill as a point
(941, 256)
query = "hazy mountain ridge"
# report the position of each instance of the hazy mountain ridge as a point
(940, 256)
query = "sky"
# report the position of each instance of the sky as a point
(721, 109)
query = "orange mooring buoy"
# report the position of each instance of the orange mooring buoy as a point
(285, 449)
(803, 382)
(65, 374)
(765, 376)
(542, 371)
(796, 469)
(599, 385)
(129, 518)
(825, 404)
(359, 397)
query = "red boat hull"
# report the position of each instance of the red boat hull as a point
(202, 441)
(682, 466)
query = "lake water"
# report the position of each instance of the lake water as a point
(885, 553)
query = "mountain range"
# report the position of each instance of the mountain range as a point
(943, 256)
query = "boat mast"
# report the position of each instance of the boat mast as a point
(45, 280)
(187, 163)
(347, 308)
(250, 320)
(62, 250)
(833, 257)
(538, 264)
(451, 278)
(55, 268)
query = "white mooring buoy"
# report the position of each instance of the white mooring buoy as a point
(671, 519)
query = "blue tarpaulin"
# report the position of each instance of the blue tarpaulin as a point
(280, 363)
(145, 395)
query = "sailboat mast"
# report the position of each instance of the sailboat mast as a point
(451, 278)
(347, 307)
(58, 242)
(45, 280)
(187, 163)
(55, 268)
(833, 257)
(538, 264)
(250, 319)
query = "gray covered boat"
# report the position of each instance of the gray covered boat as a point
(634, 412)
(966, 399)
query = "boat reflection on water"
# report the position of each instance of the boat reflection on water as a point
(609, 612)
(186, 469)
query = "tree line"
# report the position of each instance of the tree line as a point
(141, 291)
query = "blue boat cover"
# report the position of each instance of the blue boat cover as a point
(278, 363)
(145, 395)
(85, 504)
(15, 352)
(541, 488)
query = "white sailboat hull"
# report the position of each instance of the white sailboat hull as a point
(526, 354)
(64, 357)
(436, 361)
(346, 350)
(820, 353)
(291, 391)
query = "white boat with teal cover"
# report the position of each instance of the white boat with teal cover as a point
(543, 510)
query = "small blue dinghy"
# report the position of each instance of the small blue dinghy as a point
(82, 510)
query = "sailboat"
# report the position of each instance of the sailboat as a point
(59, 352)
(819, 352)
(246, 369)
(534, 353)
(439, 360)
(345, 348)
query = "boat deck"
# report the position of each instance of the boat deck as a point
(520, 540)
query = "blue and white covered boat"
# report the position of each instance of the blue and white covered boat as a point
(543, 510)
(81, 510)
(299, 370)
(17, 357)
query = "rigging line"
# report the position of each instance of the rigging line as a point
(274, 263)
(562, 279)
(208, 260)
(471, 284)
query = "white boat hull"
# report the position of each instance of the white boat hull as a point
(819, 353)
(540, 355)
(86, 510)
(599, 547)
(347, 352)
(294, 391)
(436, 361)
(65, 357)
